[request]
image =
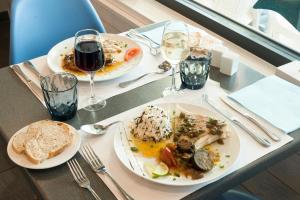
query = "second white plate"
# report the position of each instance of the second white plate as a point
(54, 58)
(229, 152)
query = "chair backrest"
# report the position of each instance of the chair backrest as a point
(37, 25)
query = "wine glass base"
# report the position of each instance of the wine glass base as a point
(94, 104)
(170, 92)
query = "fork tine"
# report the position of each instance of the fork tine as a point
(76, 170)
(90, 159)
(83, 153)
(71, 169)
(80, 170)
(94, 154)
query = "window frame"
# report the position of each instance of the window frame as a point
(254, 42)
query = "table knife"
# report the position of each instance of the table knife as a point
(253, 120)
(263, 141)
(32, 86)
(31, 67)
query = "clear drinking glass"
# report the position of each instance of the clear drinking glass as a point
(89, 57)
(174, 48)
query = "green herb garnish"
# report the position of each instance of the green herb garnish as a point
(134, 149)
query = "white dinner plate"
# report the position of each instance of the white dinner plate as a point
(22, 160)
(54, 58)
(229, 152)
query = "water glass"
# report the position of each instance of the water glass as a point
(60, 95)
(195, 69)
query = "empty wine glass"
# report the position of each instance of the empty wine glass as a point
(174, 48)
(89, 57)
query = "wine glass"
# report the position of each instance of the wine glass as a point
(174, 48)
(89, 57)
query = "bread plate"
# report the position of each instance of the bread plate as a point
(64, 156)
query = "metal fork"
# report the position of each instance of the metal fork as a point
(153, 46)
(80, 177)
(94, 161)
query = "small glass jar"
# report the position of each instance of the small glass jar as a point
(195, 69)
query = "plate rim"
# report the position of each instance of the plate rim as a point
(76, 143)
(96, 79)
(232, 128)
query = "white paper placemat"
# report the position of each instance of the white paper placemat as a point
(142, 189)
(106, 89)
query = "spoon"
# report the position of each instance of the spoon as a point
(97, 129)
(164, 66)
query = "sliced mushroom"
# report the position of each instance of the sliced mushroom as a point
(203, 160)
(184, 143)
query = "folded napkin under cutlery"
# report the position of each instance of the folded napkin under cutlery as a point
(157, 33)
(273, 99)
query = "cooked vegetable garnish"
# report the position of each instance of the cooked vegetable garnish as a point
(134, 149)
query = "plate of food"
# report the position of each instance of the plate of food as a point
(43, 144)
(121, 55)
(177, 144)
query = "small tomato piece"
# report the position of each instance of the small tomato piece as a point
(167, 157)
(131, 53)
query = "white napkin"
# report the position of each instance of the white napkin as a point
(273, 99)
(142, 189)
(156, 33)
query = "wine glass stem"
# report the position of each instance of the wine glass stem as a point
(173, 86)
(92, 97)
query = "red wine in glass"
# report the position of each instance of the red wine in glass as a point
(89, 55)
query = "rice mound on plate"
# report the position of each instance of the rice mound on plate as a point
(152, 125)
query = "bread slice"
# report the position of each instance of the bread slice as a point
(34, 152)
(20, 140)
(55, 138)
(43, 140)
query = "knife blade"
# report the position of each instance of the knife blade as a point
(32, 68)
(29, 83)
(253, 120)
(263, 141)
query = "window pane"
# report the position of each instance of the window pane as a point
(267, 22)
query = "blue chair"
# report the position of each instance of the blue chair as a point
(236, 195)
(37, 25)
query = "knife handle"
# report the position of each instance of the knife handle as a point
(271, 135)
(20, 72)
(260, 140)
(29, 83)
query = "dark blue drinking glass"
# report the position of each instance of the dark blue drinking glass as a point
(60, 95)
(195, 69)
